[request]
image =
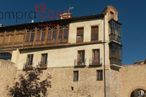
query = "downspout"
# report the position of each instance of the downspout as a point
(104, 68)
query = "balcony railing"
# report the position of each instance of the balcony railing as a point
(79, 63)
(42, 65)
(94, 63)
(79, 40)
(114, 37)
(27, 66)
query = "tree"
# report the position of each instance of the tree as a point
(30, 85)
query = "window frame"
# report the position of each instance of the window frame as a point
(99, 75)
(93, 38)
(80, 35)
(75, 75)
(29, 59)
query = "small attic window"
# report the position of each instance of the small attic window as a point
(111, 12)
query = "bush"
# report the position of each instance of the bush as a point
(30, 85)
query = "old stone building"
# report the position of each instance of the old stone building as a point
(82, 54)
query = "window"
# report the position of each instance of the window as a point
(115, 54)
(76, 76)
(44, 58)
(61, 34)
(80, 35)
(94, 33)
(96, 57)
(42, 34)
(29, 59)
(81, 57)
(49, 35)
(115, 31)
(38, 35)
(54, 34)
(30, 35)
(65, 33)
(27, 36)
(99, 75)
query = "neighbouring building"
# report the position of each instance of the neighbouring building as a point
(82, 54)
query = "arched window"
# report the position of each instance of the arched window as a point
(138, 93)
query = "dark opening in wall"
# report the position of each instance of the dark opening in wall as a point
(5, 56)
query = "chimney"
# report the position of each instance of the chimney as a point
(65, 15)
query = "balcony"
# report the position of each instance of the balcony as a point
(42, 65)
(79, 39)
(115, 38)
(27, 66)
(79, 63)
(115, 60)
(94, 63)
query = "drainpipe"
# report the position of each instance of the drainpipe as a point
(104, 70)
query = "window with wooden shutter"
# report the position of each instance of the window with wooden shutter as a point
(96, 57)
(80, 35)
(94, 33)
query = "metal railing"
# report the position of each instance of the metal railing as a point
(42, 65)
(27, 66)
(94, 62)
(79, 63)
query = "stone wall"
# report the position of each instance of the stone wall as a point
(62, 84)
(7, 76)
(132, 77)
(118, 83)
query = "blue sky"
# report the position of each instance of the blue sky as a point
(132, 15)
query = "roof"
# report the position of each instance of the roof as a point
(59, 21)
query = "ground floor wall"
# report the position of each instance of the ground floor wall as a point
(132, 77)
(118, 83)
(63, 85)
(7, 77)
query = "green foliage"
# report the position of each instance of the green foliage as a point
(30, 85)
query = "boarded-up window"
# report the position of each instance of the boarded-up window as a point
(94, 33)
(80, 35)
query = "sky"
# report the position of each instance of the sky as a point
(132, 15)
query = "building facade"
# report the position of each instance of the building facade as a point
(83, 54)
